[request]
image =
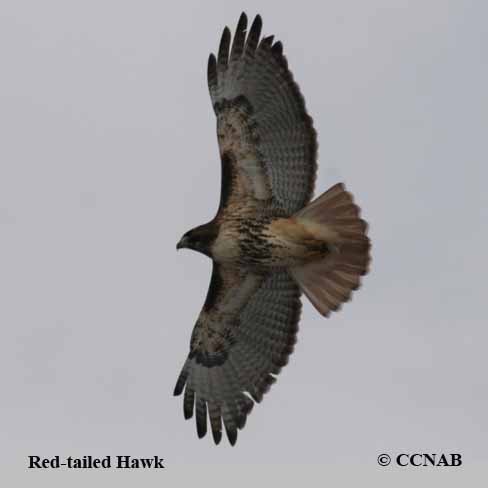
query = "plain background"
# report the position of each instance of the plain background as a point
(108, 154)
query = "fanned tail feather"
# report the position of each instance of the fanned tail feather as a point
(329, 281)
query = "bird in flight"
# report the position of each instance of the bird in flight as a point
(268, 242)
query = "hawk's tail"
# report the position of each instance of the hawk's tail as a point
(334, 218)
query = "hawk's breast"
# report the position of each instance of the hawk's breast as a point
(244, 241)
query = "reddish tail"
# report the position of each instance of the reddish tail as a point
(329, 282)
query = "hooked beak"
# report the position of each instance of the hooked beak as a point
(183, 243)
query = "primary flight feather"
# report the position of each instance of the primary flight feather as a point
(267, 242)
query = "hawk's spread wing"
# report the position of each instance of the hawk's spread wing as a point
(267, 141)
(242, 338)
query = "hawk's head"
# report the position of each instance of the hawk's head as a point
(199, 239)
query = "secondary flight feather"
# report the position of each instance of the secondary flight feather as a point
(268, 242)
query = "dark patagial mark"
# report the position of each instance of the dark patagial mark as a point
(215, 288)
(228, 178)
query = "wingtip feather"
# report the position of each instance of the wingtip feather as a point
(242, 22)
(223, 54)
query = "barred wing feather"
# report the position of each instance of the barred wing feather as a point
(263, 128)
(243, 337)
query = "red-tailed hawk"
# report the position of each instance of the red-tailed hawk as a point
(267, 242)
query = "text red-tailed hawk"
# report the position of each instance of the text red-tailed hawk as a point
(267, 242)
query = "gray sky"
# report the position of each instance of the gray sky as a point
(108, 154)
